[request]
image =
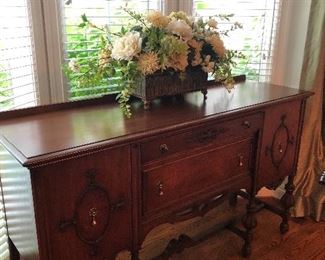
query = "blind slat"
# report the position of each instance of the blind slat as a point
(100, 12)
(17, 65)
(257, 38)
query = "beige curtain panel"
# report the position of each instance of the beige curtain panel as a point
(309, 194)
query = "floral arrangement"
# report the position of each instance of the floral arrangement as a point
(154, 43)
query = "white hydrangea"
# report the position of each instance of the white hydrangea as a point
(181, 28)
(126, 47)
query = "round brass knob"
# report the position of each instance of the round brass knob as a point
(163, 148)
(246, 124)
(160, 189)
(241, 160)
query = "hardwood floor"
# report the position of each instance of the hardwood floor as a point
(305, 240)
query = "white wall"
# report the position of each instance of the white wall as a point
(291, 43)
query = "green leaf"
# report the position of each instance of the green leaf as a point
(84, 18)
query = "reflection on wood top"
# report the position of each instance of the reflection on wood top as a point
(56, 130)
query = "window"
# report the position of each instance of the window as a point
(101, 13)
(257, 38)
(18, 81)
(4, 247)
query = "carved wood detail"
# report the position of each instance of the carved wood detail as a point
(278, 149)
(99, 214)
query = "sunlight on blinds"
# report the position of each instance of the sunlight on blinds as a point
(18, 85)
(257, 38)
(101, 13)
(4, 248)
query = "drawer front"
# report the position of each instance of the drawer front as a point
(172, 183)
(83, 206)
(219, 133)
(280, 142)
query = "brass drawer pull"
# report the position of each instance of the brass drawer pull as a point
(163, 148)
(160, 188)
(246, 124)
(93, 214)
(241, 160)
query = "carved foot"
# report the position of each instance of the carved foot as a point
(204, 92)
(146, 104)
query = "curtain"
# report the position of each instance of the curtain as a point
(309, 194)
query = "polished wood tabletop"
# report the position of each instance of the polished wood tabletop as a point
(55, 130)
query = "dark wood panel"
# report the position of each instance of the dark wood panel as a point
(66, 196)
(50, 135)
(280, 142)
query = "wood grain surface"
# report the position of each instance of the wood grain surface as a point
(68, 129)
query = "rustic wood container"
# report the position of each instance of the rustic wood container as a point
(170, 84)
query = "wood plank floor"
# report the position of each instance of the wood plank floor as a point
(304, 241)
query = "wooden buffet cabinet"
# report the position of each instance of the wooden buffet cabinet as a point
(80, 181)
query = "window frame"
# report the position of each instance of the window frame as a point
(50, 56)
(55, 50)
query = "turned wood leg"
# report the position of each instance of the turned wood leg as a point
(204, 92)
(135, 255)
(146, 104)
(233, 199)
(287, 201)
(249, 222)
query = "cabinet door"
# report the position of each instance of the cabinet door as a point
(280, 143)
(83, 206)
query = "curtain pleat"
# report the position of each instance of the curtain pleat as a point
(310, 195)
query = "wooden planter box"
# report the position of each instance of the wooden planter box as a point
(170, 84)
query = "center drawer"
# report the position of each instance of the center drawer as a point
(219, 133)
(173, 183)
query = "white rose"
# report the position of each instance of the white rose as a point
(212, 23)
(180, 28)
(126, 47)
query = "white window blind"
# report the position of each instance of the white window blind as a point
(260, 19)
(4, 247)
(18, 83)
(99, 12)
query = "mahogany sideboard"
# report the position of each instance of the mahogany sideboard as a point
(81, 181)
